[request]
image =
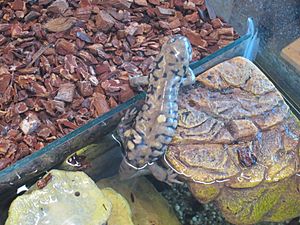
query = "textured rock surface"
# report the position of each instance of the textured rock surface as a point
(69, 197)
(147, 205)
(276, 202)
(236, 131)
(121, 213)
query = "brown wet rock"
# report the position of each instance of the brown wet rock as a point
(237, 137)
(242, 129)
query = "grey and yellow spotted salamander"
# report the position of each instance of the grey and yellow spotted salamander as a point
(146, 138)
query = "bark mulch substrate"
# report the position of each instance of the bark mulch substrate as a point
(65, 62)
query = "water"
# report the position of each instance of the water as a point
(102, 158)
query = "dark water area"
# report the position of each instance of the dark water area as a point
(104, 158)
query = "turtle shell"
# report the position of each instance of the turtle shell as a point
(234, 128)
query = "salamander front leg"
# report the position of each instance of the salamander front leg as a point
(189, 77)
(138, 82)
(165, 175)
(126, 123)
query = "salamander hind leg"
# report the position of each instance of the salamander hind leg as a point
(127, 172)
(165, 175)
(189, 77)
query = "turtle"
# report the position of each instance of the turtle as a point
(237, 144)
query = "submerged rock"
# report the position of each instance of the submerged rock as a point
(67, 198)
(147, 205)
(121, 212)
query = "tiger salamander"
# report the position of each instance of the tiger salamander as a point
(145, 136)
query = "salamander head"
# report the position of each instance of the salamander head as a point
(180, 46)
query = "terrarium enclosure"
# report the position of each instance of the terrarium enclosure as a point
(265, 28)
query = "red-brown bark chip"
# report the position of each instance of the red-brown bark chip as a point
(63, 63)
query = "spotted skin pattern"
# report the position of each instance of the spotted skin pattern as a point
(146, 138)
